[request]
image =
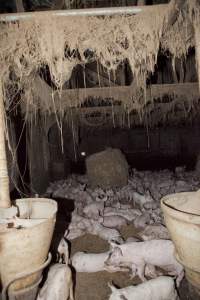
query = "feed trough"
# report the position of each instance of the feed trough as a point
(182, 218)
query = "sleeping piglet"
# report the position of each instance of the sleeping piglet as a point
(128, 214)
(109, 234)
(113, 221)
(152, 232)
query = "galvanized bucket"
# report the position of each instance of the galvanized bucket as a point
(25, 248)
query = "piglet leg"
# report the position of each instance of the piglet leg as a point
(133, 271)
(150, 271)
(138, 269)
(71, 292)
(179, 278)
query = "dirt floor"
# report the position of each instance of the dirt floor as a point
(94, 286)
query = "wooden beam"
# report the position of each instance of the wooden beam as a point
(70, 97)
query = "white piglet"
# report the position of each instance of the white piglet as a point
(94, 210)
(152, 232)
(108, 234)
(142, 200)
(63, 251)
(161, 288)
(113, 221)
(93, 262)
(158, 253)
(128, 214)
(59, 284)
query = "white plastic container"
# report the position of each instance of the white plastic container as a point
(25, 248)
(182, 218)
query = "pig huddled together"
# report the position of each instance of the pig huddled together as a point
(103, 213)
(138, 255)
(106, 222)
(141, 258)
(142, 185)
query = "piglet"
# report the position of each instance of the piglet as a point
(158, 253)
(59, 284)
(161, 288)
(63, 251)
(152, 232)
(142, 221)
(113, 221)
(93, 262)
(128, 214)
(108, 234)
(94, 210)
(141, 200)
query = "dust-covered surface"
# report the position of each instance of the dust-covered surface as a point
(27, 45)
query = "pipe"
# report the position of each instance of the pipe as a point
(4, 179)
(197, 50)
(107, 11)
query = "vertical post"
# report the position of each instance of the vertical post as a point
(4, 179)
(197, 50)
(58, 4)
(141, 2)
(19, 5)
(38, 168)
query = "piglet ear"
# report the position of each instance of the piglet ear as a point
(118, 251)
(66, 233)
(113, 244)
(112, 287)
(101, 219)
(148, 193)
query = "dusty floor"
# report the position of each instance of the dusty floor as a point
(95, 286)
